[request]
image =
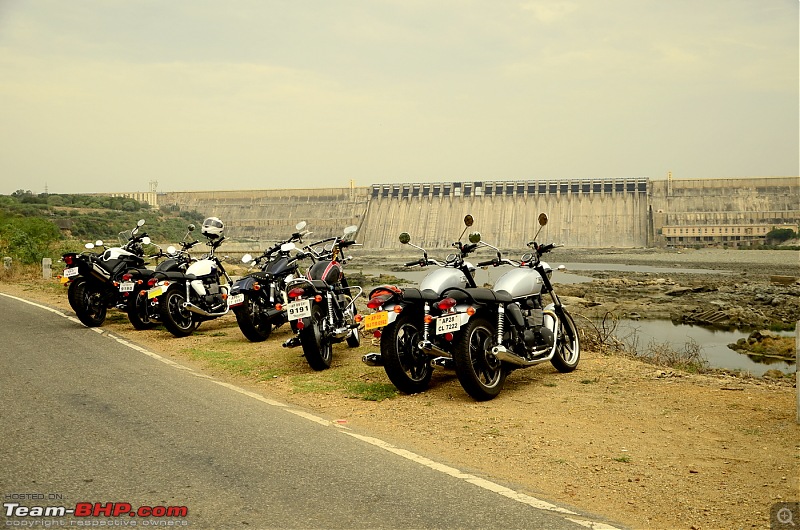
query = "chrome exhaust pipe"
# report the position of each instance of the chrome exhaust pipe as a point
(431, 349)
(372, 359)
(202, 312)
(503, 354)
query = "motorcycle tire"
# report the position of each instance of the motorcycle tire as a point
(178, 321)
(253, 324)
(72, 296)
(568, 349)
(316, 348)
(480, 373)
(90, 308)
(139, 310)
(408, 368)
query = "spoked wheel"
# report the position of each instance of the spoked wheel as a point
(252, 320)
(354, 338)
(140, 310)
(408, 367)
(568, 349)
(317, 349)
(178, 320)
(481, 374)
(90, 307)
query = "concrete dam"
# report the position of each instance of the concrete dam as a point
(627, 212)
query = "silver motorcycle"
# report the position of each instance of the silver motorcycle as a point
(510, 326)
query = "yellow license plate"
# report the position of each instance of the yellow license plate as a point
(376, 320)
(154, 292)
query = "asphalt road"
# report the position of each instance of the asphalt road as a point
(87, 418)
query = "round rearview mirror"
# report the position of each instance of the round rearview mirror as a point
(171, 250)
(288, 247)
(468, 220)
(140, 222)
(247, 258)
(98, 243)
(146, 240)
(350, 230)
(299, 226)
(405, 238)
(191, 228)
(542, 219)
(90, 246)
(474, 237)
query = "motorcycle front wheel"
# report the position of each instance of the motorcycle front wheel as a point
(317, 349)
(178, 320)
(481, 374)
(255, 326)
(90, 308)
(139, 310)
(568, 349)
(408, 367)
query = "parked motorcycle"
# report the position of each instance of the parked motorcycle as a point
(416, 332)
(322, 307)
(185, 299)
(93, 278)
(254, 297)
(509, 326)
(137, 284)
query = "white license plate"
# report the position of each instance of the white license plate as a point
(236, 299)
(448, 324)
(154, 292)
(72, 271)
(298, 309)
(126, 287)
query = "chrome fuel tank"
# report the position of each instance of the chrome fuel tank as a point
(519, 283)
(442, 279)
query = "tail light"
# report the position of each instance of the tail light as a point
(318, 298)
(256, 286)
(376, 302)
(278, 307)
(447, 303)
(377, 334)
(68, 259)
(127, 277)
(297, 292)
(152, 282)
(300, 324)
(448, 337)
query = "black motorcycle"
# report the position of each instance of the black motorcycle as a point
(94, 278)
(322, 308)
(137, 284)
(257, 299)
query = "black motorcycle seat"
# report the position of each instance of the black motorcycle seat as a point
(175, 275)
(480, 295)
(413, 294)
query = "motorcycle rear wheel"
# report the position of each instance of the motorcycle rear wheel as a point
(139, 310)
(317, 349)
(255, 326)
(72, 295)
(177, 320)
(568, 350)
(408, 367)
(90, 308)
(481, 374)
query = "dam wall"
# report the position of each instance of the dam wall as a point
(581, 213)
(625, 212)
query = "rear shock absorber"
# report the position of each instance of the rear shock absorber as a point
(501, 321)
(425, 325)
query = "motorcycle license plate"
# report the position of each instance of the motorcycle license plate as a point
(69, 273)
(155, 291)
(298, 309)
(126, 287)
(376, 320)
(447, 324)
(236, 299)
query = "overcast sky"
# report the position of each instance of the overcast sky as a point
(108, 95)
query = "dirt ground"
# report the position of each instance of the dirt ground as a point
(639, 445)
